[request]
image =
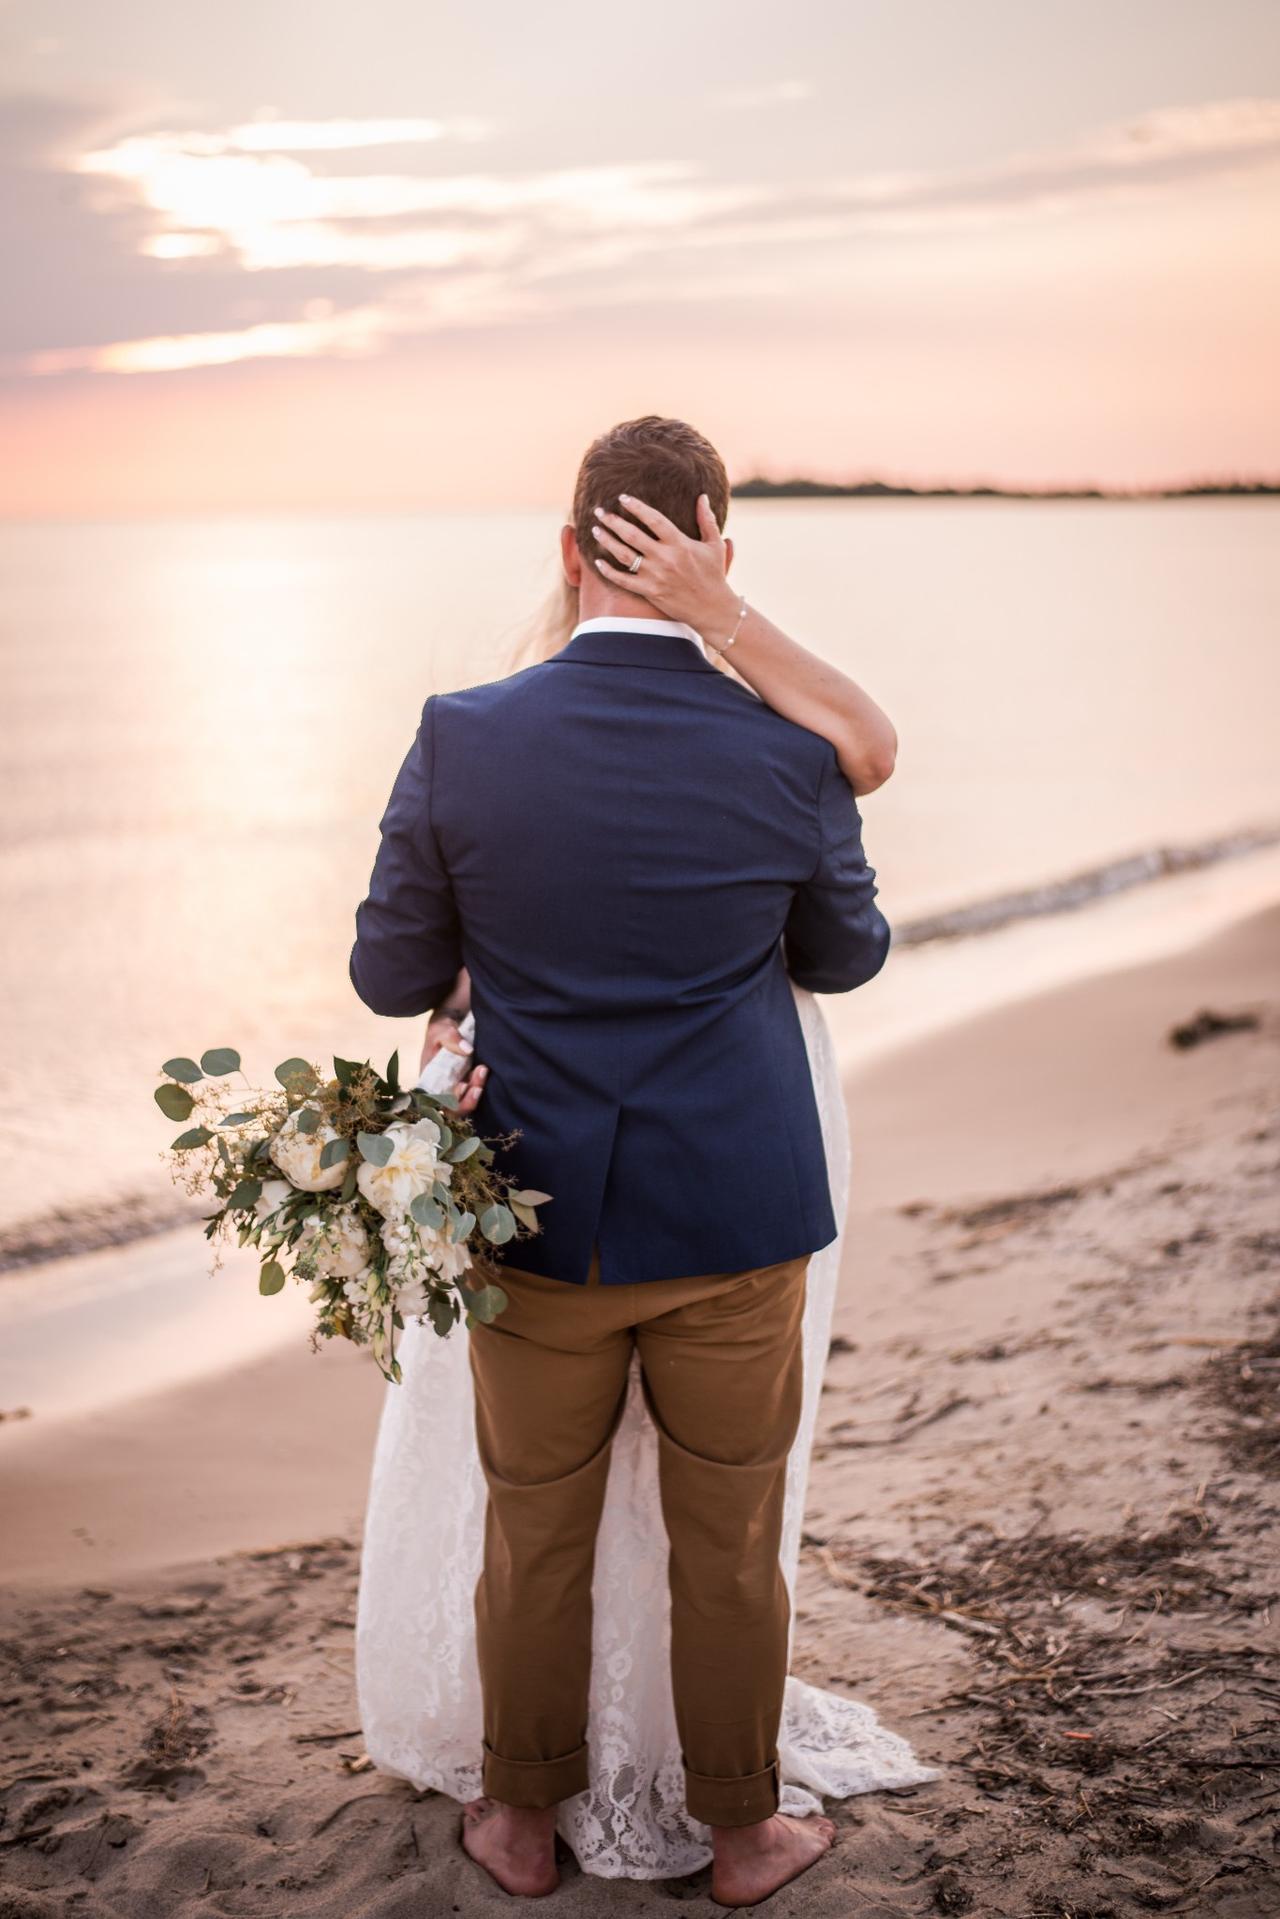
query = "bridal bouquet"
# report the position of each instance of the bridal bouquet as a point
(371, 1195)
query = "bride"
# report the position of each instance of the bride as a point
(416, 1668)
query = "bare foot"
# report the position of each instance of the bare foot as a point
(753, 1861)
(516, 1845)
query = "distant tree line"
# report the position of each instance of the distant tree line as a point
(758, 488)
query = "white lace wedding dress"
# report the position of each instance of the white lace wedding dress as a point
(418, 1681)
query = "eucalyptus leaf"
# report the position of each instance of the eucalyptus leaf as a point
(497, 1223)
(237, 1119)
(183, 1069)
(375, 1147)
(443, 1314)
(487, 1303)
(335, 1151)
(198, 1136)
(175, 1102)
(392, 1074)
(446, 1137)
(441, 1192)
(461, 1227)
(308, 1120)
(296, 1076)
(219, 1060)
(344, 1070)
(247, 1193)
(463, 1150)
(528, 1196)
(525, 1214)
(349, 1183)
(271, 1278)
(427, 1211)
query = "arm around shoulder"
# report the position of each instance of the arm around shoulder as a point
(408, 949)
(835, 936)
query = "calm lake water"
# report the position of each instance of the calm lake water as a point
(202, 721)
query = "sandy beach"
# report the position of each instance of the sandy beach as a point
(1041, 1536)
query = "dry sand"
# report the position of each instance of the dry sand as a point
(1042, 1529)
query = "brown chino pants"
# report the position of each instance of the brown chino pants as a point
(722, 1373)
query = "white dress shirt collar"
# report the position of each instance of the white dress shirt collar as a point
(624, 623)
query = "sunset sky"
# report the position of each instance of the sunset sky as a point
(300, 254)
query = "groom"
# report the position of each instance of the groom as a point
(630, 854)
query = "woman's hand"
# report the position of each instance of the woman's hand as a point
(443, 1035)
(683, 578)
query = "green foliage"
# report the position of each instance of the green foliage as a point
(175, 1102)
(427, 1211)
(271, 1278)
(356, 1108)
(375, 1147)
(297, 1077)
(487, 1303)
(497, 1223)
(183, 1069)
(443, 1312)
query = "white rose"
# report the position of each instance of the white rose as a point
(298, 1156)
(272, 1197)
(413, 1168)
(337, 1245)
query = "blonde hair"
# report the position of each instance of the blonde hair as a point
(662, 461)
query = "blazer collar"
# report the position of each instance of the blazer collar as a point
(603, 641)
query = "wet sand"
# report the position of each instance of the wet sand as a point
(1041, 1531)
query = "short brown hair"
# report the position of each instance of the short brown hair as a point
(665, 463)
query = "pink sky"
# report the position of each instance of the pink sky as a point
(256, 272)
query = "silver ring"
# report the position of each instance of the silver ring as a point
(635, 564)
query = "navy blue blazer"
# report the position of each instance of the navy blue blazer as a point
(629, 852)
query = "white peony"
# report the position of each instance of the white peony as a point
(413, 1168)
(272, 1197)
(298, 1156)
(336, 1245)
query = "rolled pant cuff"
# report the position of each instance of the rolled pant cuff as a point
(733, 1802)
(535, 1782)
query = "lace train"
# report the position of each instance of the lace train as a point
(416, 1672)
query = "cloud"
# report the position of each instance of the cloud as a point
(775, 93)
(282, 238)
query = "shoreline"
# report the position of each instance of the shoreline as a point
(96, 1223)
(133, 1335)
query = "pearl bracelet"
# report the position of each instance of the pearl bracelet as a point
(742, 614)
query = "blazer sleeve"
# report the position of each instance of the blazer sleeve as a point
(836, 937)
(408, 947)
